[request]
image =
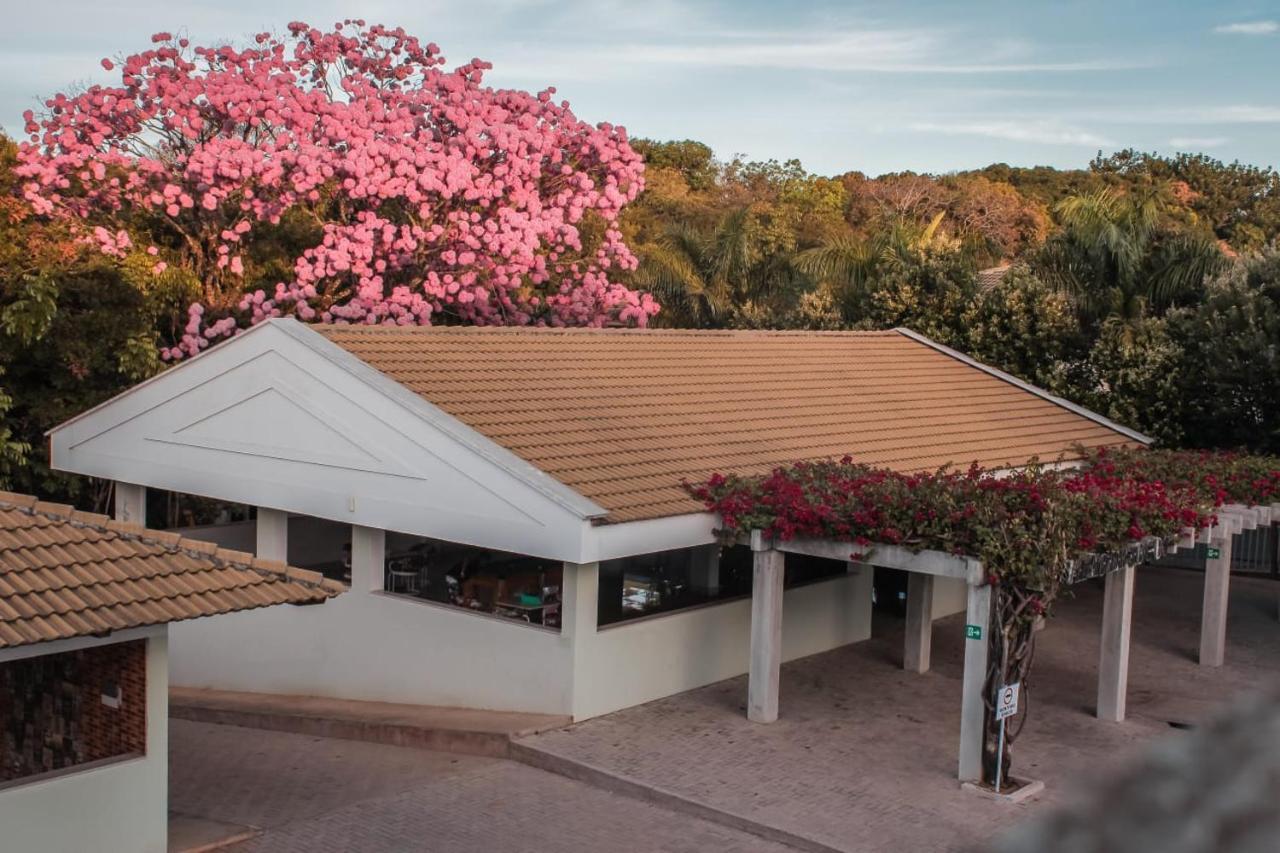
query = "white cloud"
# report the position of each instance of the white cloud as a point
(1040, 132)
(1249, 28)
(1186, 143)
(913, 50)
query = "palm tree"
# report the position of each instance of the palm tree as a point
(849, 266)
(1115, 257)
(698, 276)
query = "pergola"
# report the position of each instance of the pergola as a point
(923, 566)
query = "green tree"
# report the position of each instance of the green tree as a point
(75, 328)
(1229, 370)
(1027, 328)
(1238, 202)
(701, 276)
(1116, 258)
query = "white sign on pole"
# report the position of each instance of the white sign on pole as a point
(1007, 702)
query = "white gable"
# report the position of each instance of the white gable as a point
(279, 417)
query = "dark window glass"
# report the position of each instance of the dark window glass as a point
(671, 580)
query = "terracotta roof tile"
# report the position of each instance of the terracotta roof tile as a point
(622, 416)
(66, 573)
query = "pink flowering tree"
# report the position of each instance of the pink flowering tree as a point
(409, 193)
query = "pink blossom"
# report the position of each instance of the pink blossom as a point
(454, 195)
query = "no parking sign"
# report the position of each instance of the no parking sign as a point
(1007, 701)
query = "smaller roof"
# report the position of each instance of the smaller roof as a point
(66, 573)
(992, 277)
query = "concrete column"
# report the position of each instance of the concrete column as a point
(131, 503)
(704, 572)
(860, 609)
(1275, 529)
(368, 558)
(919, 637)
(1213, 618)
(579, 597)
(273, 534)
(1113, 664)
(766, 632)
(579, 622)
(972, 705)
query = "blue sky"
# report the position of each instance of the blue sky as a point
(885, 86)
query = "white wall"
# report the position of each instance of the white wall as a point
(630, 663)
(378, 647)
(950, 595)
(375, 647)
(114, 808)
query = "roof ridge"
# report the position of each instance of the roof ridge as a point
(170, 541)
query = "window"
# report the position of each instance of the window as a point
(63, 710)
(671, 580)
(525, 589)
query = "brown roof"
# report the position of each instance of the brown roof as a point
(65, 573)
(622, 416)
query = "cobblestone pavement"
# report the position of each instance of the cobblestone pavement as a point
(863, 757)
(319, 794)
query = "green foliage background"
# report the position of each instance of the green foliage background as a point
(1145, 287)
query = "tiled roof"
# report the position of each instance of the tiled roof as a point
(65, 573)
(622, 416)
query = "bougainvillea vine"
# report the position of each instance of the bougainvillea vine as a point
(1029, 527)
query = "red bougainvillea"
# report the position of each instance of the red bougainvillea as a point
(425, 193)
(1014, 522)
(1031, 528)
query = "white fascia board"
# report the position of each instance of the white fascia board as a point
(482, 446)
(631, 538)
(71, 644)
(1027, 386)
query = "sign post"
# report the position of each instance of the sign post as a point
(1006, 706)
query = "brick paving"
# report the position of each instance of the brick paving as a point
(863, 757)
(314, 795)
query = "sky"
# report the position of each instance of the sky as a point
(874, 87)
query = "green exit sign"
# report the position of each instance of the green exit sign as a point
(1213, 553)
(973, 632)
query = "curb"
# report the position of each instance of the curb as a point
(484, 744)
(606, 780)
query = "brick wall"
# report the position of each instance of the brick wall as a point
(57, 711)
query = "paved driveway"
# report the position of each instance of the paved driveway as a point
(314, 795)
(862, 759)
(863, 756)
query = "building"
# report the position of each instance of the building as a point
(84, 605)
(508, 503)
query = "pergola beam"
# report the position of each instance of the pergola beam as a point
(937, 563)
